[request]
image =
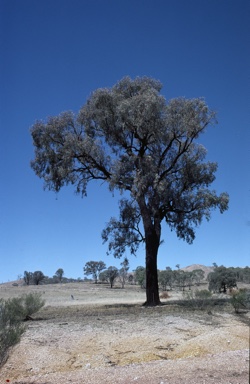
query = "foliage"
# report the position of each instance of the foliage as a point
(182, 279)
(131, 278)
(202, 294)
(240, 299)
(241, 274)
(21, 308)
(32, 303)
(215, 265)
(33, 277)
(94, 268)
(185, 279)
(197, 276)
(166, 278)
(111, 274)
(59, 273)
(10, 330)
(132, 139)
(103, 276)
(198, 299)
(37, 277)
(140, 276)
(221, 279)
(124, 232)
(179, 278)
(123, 272)
(27, 277)
(12, 313)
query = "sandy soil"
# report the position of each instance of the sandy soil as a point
(106, 336)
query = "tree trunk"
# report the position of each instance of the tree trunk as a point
(152, 231)
(152, 289)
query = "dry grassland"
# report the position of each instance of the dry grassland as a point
(105, 335)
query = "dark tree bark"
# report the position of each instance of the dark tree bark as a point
(152, 290)
(152, 230)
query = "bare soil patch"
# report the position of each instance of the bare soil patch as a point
(107, 336)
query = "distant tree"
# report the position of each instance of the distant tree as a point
(59, 273)
(242, 274)
(140, 276)
(182, 279)
(103, 276)
(221, 279)
(131, 278)
(86, 279)
(112, 273)
(123, 272)
(130, 137)
(165, 279)
(37, 277)
(178, 266)
(94, 268)
(238, 273)
(246, 275)
(190, 279)
(198, 275)
(27, 277)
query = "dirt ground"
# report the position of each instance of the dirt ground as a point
(107, 336)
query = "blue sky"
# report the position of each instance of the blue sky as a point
(54, 53)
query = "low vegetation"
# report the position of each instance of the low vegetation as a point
(240, 300)
(223, 288)
(13, 313)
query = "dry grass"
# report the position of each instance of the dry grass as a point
(164, 295)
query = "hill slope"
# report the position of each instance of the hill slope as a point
(192, 267)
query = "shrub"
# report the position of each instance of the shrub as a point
(32, 302)
(198, 299)
(240, 300)
(12, 313)
(11, 328)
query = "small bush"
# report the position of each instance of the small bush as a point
(240, 300)
(198, 299)
(11, 328)
(32, 302)
(12, 313)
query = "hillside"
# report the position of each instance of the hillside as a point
(192, 267)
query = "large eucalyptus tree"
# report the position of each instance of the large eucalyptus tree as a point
(132, 138)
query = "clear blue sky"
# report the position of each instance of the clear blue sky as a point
(54, 53)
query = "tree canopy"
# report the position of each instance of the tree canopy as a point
(94, 268)
(221, 279)
(37, 277)
(59, 273)
(132, 138)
